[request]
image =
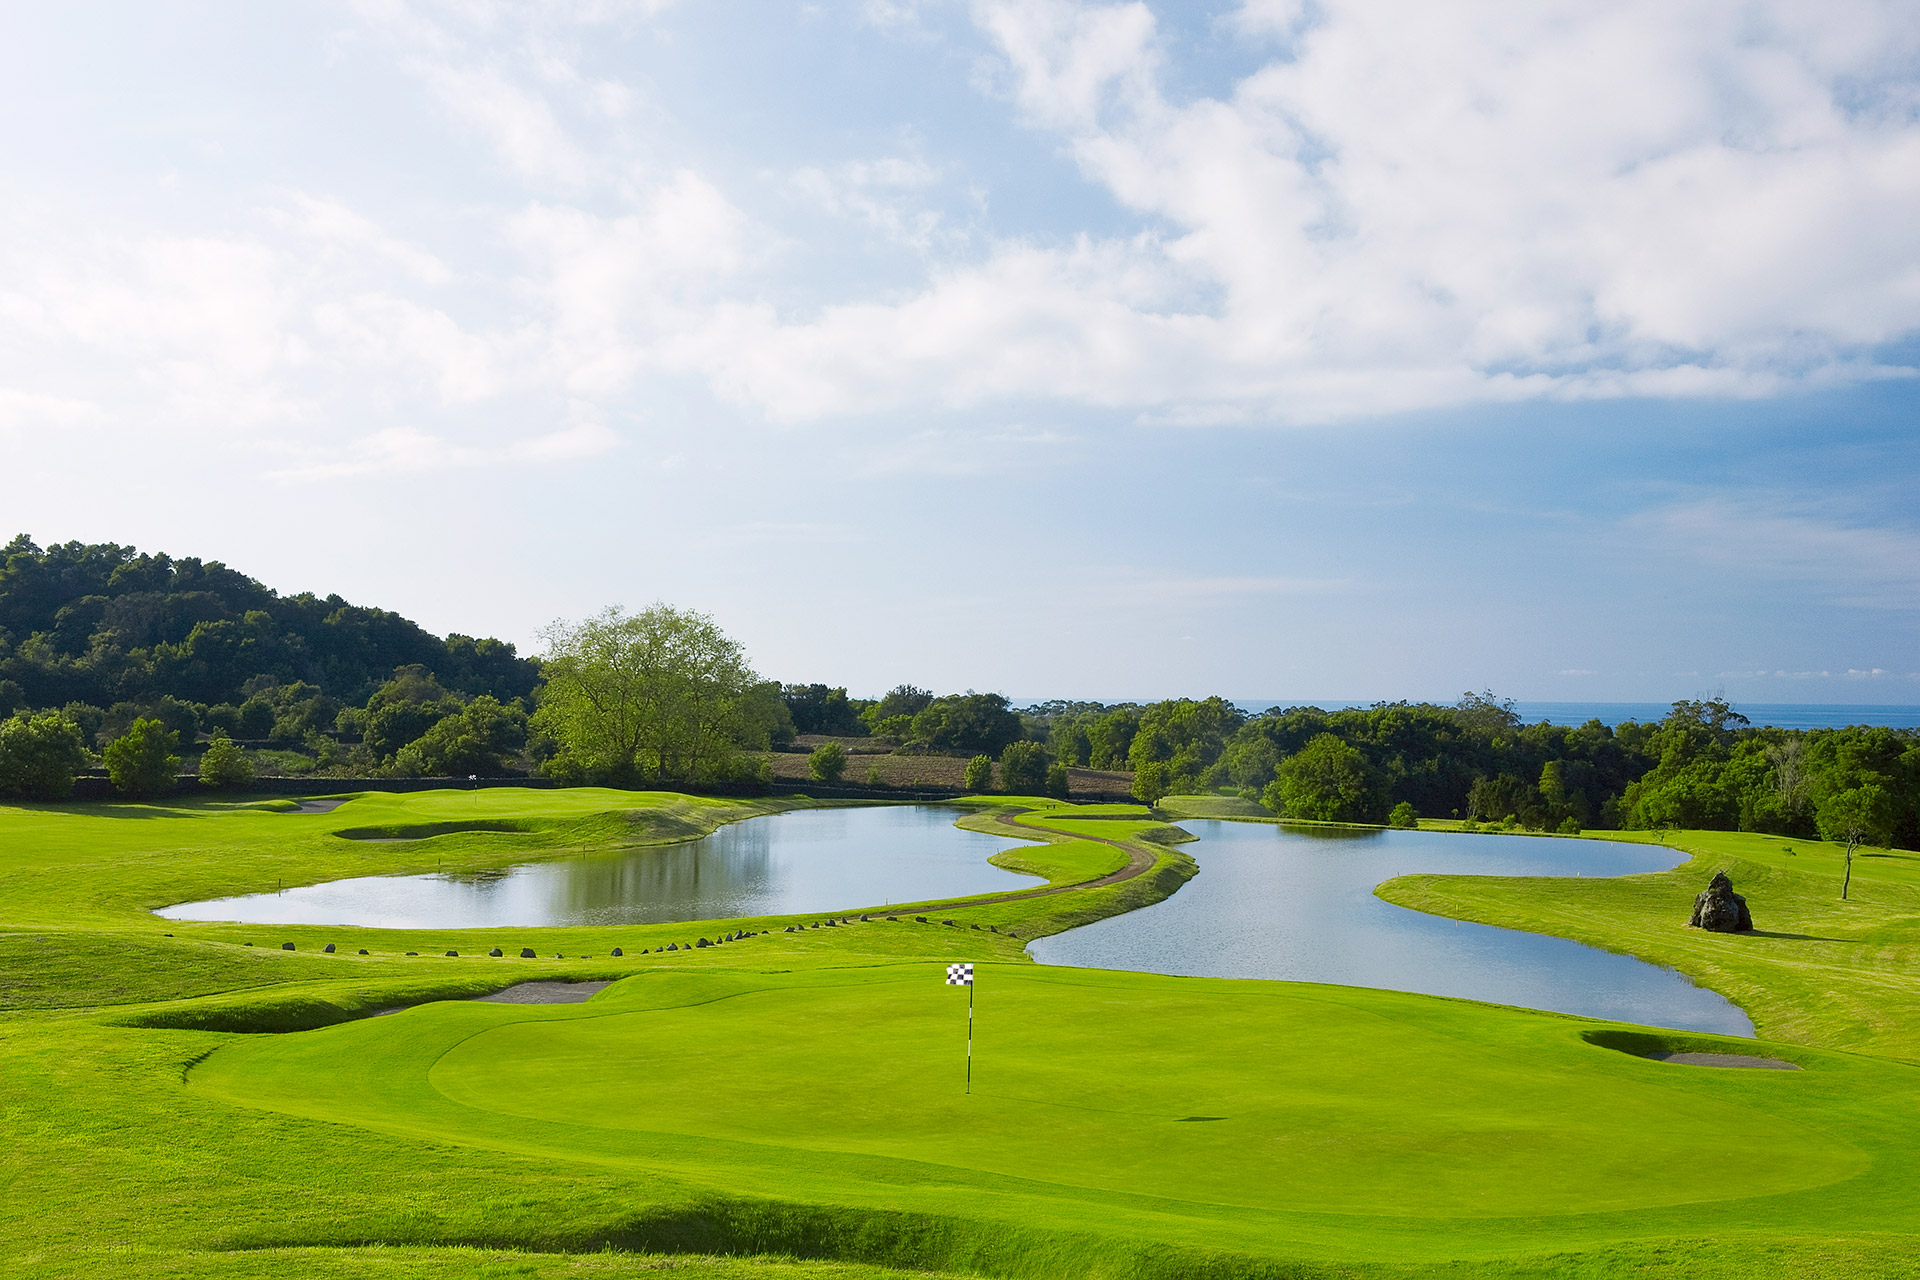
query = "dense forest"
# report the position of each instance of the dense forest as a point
(146, 664)
(104, 636)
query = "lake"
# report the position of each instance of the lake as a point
(805, 862)
(1280, 903)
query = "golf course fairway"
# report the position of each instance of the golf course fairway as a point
(793, 1101)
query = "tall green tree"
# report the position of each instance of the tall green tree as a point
(1023, 768)
(141, 761)
(39, 756)
(1859, 815)
(656, 695)
(979, 774)
(1325, 781)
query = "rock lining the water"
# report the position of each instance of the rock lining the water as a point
(1719, 909)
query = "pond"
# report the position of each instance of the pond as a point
(809, 861)
(1278, 902)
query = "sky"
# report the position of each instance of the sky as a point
(1277, 350)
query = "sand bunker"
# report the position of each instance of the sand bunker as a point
(316, 806)
(1724, 1060)
(544, 993)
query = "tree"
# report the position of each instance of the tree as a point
(39, 755)
(1059, 781)
(473, 740)
(1403, 817)
(1150, 782)
(1023, 768)
(979, 775)
(1325, 781)
(225, 766)
(141, 761)
(827, 762)
(653, 695)
(1859, 815)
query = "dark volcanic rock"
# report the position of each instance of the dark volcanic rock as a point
(328, 948)
(526, 953)
(494, 952)
(1720, 909)
(286, 946)
(617, 951)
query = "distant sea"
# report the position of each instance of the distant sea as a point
(1782, 715)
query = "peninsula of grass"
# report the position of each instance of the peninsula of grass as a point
(793, 1104)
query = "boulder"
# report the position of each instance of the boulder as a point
(526, 953)
(286, 946)
(453, 953)
(328, 948)
(363, 951)
(617, 951)
(496, 952)
(1719, 909)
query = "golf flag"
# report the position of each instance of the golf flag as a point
(961, 975)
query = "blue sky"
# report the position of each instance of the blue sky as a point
(1274, 349)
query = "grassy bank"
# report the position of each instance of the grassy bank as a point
(791, 1104)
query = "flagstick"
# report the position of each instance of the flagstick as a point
(968, 1037)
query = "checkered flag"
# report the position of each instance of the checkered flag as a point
(959, 975)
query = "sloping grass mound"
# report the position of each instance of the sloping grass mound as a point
(826, 1113)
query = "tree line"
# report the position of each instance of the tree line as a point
(142, 663)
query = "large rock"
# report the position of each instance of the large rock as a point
(1720, 909)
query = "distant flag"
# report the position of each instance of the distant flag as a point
(961, 975)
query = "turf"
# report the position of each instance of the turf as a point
(791, 1104)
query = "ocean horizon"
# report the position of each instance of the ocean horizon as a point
(1779, 715)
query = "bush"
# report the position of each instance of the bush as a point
(1059, 782)
(873, 776)
(979, 775)
(1570, 826)
(1023, 768)
(141, 760)
(827, 762)
(39, 756)
(1403, 817)
(225, 766)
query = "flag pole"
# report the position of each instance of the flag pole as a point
(969, 1038)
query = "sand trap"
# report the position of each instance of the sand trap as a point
(544, 993)
(316, 806)
(1725, 1060)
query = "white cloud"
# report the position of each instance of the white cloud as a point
(1418, 206)
(32, 411)
(409, 450)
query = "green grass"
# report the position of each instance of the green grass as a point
(791, 1104)
(1818, 970)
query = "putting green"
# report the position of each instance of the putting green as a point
(1209, 1095)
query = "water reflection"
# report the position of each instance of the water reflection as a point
(1274, 902)
(815, 860)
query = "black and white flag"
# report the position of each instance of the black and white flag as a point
(959, 975)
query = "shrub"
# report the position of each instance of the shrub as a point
(141, 760)
(1023, 768)
(1059, 782)
(1403, 817)
(979, 775)
(873, 776)
(827, 762)
(1570, 826)
(39, 756)
(225, 766)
